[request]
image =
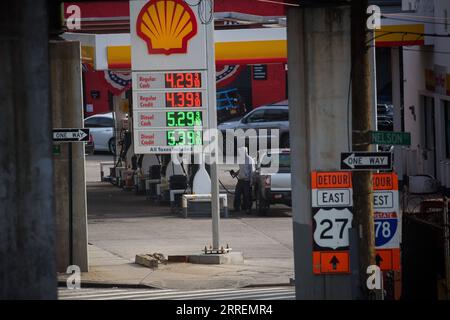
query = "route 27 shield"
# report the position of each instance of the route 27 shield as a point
(332, 228)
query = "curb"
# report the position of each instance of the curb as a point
(259, 285)
(94, 284)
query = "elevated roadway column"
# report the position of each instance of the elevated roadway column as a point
(319, 51)
(69, 177)
(27, 221)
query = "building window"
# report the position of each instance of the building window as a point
(447, 128)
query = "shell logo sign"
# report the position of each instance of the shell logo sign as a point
(166, 26)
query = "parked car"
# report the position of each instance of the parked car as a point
(272, 179)
(385, 122)
(101, 127)
(273, 116)
(385, 117)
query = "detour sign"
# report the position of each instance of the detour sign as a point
(331, 180)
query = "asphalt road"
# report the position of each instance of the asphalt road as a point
(264, 293)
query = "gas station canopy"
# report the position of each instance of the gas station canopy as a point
(246, 32)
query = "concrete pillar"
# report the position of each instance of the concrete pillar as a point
(27, 225)
(67, 108)
(319, 74)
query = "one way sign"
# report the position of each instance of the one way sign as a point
(366, 161)
(70, 135)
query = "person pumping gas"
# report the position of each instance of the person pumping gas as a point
(244, 176)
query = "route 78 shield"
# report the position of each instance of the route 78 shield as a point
(387, 233)
(331, 228)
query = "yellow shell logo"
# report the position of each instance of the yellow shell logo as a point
(166, 26)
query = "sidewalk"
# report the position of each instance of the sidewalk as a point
(123, 224)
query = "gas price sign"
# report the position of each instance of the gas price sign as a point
(174, 105)
(170, 80)
(184, 118)
(183, 99)
(173, 99)
(173, 76)
(183, 139)
(167, 119)
(183, 80)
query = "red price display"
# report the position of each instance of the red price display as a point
(183, 99)
(183, 80)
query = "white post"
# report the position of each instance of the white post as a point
(215, 209)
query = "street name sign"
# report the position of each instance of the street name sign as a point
(366, 161)
(71, 135)
(390, 138)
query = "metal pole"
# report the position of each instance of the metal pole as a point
(114, 134)
(215, 206)
(447, 246)
(373, 68)
(70, 182)
(215, 209)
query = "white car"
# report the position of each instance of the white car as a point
(101, 127)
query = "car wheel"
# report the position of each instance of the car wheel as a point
(112, 145)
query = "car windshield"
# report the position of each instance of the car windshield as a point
(277, 160)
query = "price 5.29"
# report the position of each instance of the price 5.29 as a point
(184, 119)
